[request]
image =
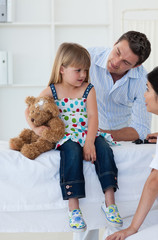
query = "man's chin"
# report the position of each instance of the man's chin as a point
(112, 70)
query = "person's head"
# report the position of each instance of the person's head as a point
(151, 94)
(70, 55)
(130, 51)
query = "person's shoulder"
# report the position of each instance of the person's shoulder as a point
(88, 89)
(87, 85)
(142, 71)
(97, 50)
(46, 92)
(98, 54)
(141, 68)
(138, 72)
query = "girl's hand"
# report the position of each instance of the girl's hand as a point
(89, 152)
(121, 235)
(152, 137)
(39, 130)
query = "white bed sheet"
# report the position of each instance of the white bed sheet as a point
(31, 197)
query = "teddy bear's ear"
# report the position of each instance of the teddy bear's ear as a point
(30, 100)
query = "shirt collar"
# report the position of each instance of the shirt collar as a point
(102, 58)
(102, 62)
(134, 73)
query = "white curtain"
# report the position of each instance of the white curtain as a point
(146, 21)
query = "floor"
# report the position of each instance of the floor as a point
(41, 236)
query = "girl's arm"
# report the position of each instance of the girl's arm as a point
(92, 112)
(149, 194)
(38, 130)
(46, 92)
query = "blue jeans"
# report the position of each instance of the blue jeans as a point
(71, 168)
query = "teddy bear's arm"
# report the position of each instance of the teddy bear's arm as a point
(56, 131)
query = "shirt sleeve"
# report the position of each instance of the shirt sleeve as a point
(141, 119)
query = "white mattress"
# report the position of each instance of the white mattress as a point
(31, 198)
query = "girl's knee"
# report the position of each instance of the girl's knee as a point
(102, 146)
(72, 154)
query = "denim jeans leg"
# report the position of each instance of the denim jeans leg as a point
(71, 170)
(105, 165)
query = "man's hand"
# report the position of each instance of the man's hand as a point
(123, 134)
(152, 137)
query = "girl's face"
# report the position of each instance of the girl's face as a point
(151, 99)
(73, 76)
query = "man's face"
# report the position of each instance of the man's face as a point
(121, 58)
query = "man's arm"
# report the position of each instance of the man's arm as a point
(124, 134)
(140, 119)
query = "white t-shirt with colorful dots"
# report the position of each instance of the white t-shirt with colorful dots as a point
(73, 112)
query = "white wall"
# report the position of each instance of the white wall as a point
(122, 5)
(33, 37)
(141, 20)
(38, 28)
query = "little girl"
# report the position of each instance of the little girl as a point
(76, 100)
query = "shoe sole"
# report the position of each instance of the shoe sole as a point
(110, 223)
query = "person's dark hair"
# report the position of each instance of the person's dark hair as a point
(153, 79)
(138, 43)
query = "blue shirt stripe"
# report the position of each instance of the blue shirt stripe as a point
(121, 104)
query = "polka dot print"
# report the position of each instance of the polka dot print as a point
(66, 118)
(73, 112)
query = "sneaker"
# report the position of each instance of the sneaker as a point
(76, 221)
(112, 215)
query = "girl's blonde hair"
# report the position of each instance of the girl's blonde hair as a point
(69, 54)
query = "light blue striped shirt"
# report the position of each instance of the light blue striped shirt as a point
(121, 104)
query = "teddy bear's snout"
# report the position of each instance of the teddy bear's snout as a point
(32, 119)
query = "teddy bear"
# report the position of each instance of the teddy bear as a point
(42, 111)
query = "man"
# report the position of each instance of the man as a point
(120, 83)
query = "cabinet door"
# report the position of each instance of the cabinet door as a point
(3, 67)
(3, 10)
